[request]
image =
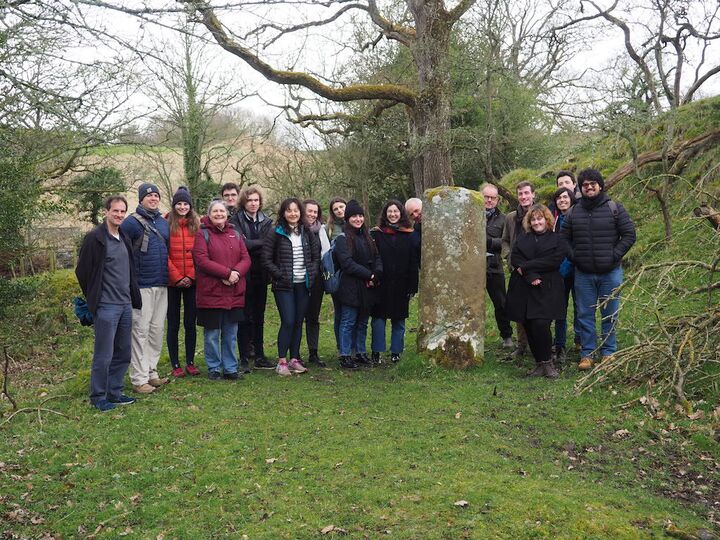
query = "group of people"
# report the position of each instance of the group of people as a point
(213, 271)
(139, 271)
(574, 246)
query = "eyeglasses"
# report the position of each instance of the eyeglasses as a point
(589, 184)
(491, 197)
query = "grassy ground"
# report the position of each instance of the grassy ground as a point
(388, 452)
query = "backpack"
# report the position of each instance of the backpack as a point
(142, 243)
(331, 274)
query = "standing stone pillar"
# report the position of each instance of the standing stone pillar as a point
(452, 277)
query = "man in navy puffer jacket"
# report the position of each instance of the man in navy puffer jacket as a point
(600, 233)
(148, 232)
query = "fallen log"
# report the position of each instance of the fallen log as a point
(708, 212)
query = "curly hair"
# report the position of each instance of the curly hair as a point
(536, 209)
(404, 219)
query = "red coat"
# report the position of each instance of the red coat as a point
(214, 260)
(180, 259)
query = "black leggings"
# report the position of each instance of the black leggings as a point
(539, 338)
(176, 296)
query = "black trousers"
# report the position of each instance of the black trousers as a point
(176, 296)
(252, 331)
(539, 338)
(495, 285)
(312, 315)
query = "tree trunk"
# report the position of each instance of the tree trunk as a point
(430, 118)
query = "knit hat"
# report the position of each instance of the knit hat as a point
(182, 195)
(145, 189)
(353, 208)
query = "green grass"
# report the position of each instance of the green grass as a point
(377, 453)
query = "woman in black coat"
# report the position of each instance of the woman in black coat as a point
(536, 293)
(393, 238)
(360, 263)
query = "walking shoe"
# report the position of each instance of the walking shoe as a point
(507, 343)
(282, 369)
(231, 376)
(585, 364)
(192, 370)
(245, 365)
(362, 359)
(519, 352)
(539, 370)
(214, 375)
(144, 389)
(375, 358)
(104, 405)
(560, 354)
(158, 382)
(315, 359)
(395, 358)
(551, 371)
(178, 372)
(122, 399)
(295, 366)
(263, 363)
(346, 362)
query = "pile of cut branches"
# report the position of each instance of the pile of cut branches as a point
(679, 352)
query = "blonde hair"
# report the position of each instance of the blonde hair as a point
(536, 209)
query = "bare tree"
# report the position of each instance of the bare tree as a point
(672, 42)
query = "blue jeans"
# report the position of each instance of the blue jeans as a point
(292, 306)
(397, 335)
(111, 355)
(592, 290)
(561, 324)
(353, 331)
(220, 347)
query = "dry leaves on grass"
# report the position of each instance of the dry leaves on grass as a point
(461, 503)
(332, 528)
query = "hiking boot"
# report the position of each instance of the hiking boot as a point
(346, 362)
(315, 359)
(234, 376)
(550, 371)
(245, 365)
(282, 369)
(122, 399)
(519, 352)
(190, 369)
(263, 363)
(606, 358)
(144, 389)
(362, 359)
(295, 366)
(539, 370)
(157, 382)
(178, 372)
(395, 358)
(507, 343)
(585, 364)
(104, 405)
(560, 354)
(375, 358)
(214, 375)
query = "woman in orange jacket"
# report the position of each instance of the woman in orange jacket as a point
(184, 225)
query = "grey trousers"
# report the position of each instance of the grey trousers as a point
(111, 356)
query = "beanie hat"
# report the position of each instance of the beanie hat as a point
(145, 189)
(353, 208)
(182, 195)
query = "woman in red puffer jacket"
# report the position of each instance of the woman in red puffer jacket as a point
(184, 224)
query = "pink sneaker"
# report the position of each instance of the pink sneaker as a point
(296, 366)
(178, 372)
(282, 369)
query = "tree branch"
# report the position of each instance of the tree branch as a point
(352, 92)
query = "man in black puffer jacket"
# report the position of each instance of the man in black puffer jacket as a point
(600, 233)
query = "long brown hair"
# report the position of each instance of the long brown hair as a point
(331, 217)
(192, 221)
